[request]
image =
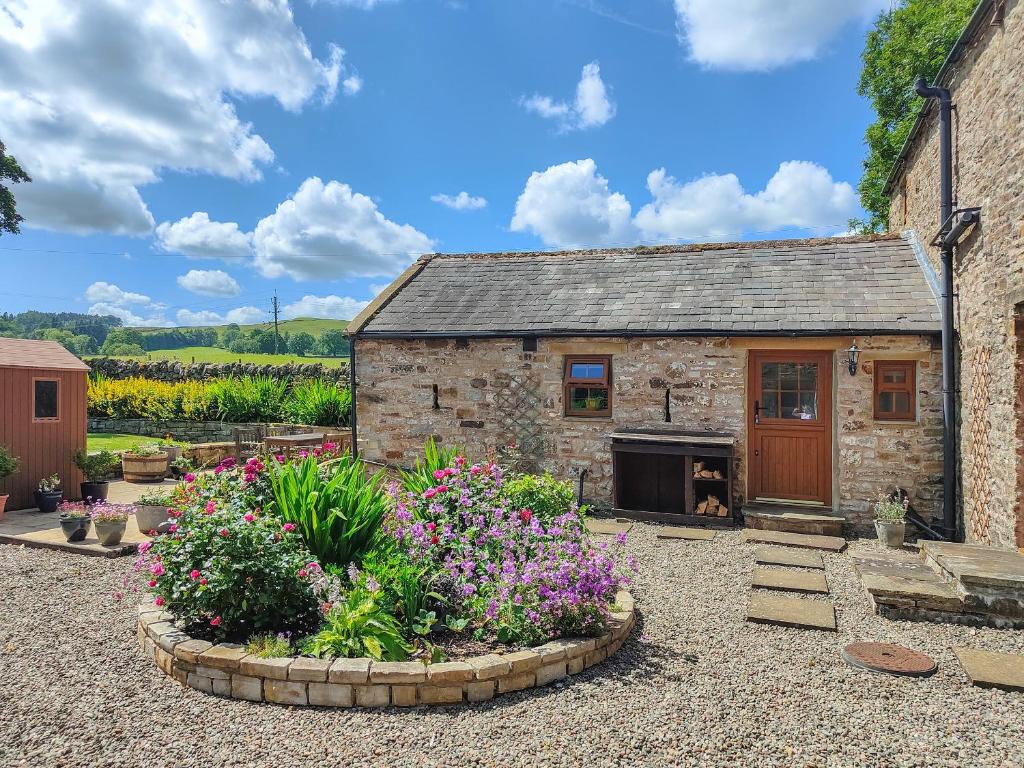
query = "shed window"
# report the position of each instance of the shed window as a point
(588, 389)
(45, 400)
(895, 389)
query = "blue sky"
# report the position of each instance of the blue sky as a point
(188, 162)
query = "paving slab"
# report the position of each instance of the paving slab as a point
(687, 534)
(802, 613)
(976, 564)
(991, 669)
(796, 558)
(612, 527)
(897, 579)
(812, 582)
(802, 540)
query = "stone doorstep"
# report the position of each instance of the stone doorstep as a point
(791, 581)
(991, 669)
(802, 613)
(793, 521)
(676, 532)
(792, 557)
(801, 540)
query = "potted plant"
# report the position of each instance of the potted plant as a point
(74, 520)
(151, 511)
(48, 494)
(171, 448)
(890, 520)
(181, 466)
(144, 464)
(8, 466)
(110, 521)
(98, 468)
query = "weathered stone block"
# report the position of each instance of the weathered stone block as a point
(190, 649)
(331, 695)
(481, 690)
(272, 669)
(355, 671)
(404, 695)
(223, 656)
(574, 665)
(164, 660)
(247, 688)
(309, 670)
(398, 672)
(440, 694)
(285, 692)
(449, 672)
(489, 667)
(523, 661)
(549, 673)
(372, 695)
(221, 687)
(516, 682)
(595, 657)
(199, 682)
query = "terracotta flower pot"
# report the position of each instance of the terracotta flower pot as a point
(144, 469)
(110, 532)
(3, 504)
(75, 528)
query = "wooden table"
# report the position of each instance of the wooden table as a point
(290, 442)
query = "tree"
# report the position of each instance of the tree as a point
(334, 342)
(910, 40)
(10, 170)
(121, 338)
(301, 343)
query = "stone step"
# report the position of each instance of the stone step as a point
(796, 558)
(782, 611)
(801, 540)
(902, 587)
(793, 519)
(990, 581)
(606, 526)
(811, 582)
(991, 669)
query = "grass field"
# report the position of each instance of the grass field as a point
(97, 441)
(217, 355)
(312, 325)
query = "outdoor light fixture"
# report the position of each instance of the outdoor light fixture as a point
(853, 354)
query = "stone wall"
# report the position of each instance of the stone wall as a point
(989, 268)
(490, 393)
(186, 431)
(172, 370)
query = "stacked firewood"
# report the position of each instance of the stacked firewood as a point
(712, 507)
(701, 473)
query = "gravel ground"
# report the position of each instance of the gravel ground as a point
(695, 685)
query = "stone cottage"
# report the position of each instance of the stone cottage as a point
(800, 372)
(983, 76)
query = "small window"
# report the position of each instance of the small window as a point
(588, 389)
(895, 389)
(45, 406)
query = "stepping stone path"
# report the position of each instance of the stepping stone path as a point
(611, 527)
(686, 534)
(802, 540)
(766, 608)
(791, 581)
(991, 669)
(792, 557)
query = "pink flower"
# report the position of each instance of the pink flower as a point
(172, 528)
(430, 493)
(525, 515)
(434, 539)
(211, 507)
(224, 532)
(194, 575)
(302, 573)
(215, 621)
(144, 547)
(440, 474)
(159, 601)
(249, 517)
(157, 569)
(442, 488)
(190, 478)
(152, 582)
(203, 581)
(288, 527)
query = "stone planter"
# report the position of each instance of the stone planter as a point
(150, 517)
(47, 501)
(891, 534)
(75, 529)
(144, 469)
(110, 532)
(95, 491)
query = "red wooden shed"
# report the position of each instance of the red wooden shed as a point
(42, 415)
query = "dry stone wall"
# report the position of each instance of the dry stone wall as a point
(989, 269)
(490, 392)
(187, 431)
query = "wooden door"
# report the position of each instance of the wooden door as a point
(789, 426)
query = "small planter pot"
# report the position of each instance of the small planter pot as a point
(47, 501)
(144, 469)
(150, 517)
(95, 491)
(891, 534)
(110, 532)
(75, 528)
(3, 504)
(173, 453)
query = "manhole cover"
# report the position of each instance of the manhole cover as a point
(888, 658)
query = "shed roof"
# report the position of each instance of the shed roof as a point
(28, 353)
(827, 286)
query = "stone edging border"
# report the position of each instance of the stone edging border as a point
(226, 669)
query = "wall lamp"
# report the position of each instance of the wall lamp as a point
(852, 357)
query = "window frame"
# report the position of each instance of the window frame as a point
(45, 419)
(568, 382)
(909, 387)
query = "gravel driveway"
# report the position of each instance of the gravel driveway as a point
(695, 685)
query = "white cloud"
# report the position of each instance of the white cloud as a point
(128, 317)
(240, 315)
(460, 202)
(764, 34)
(109, 293)
(198, 237)
(352, 85)
(328, 231)
(592, 107)
(209, 282)
(570, 205)
(335, 307)
(98, 99)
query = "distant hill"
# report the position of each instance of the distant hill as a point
(312, 325)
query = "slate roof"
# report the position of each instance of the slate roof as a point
(28, 353)
(817, 287)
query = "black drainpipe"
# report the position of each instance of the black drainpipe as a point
(352, 392)
(949, 516)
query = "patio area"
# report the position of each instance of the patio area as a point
(38, 530)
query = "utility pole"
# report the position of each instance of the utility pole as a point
(277, 311)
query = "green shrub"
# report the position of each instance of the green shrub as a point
(8, 463)
(543, 495)
(97, 467)
(435, 459)
(357, 626)
(336, 508)
(318, 402)
(249, 398)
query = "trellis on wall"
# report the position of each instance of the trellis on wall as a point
(977, 454)
(518, 404)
